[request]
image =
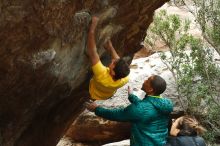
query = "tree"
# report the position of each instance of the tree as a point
(207, 14)
(191, 62)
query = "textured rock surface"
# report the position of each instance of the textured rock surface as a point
(43, 69)
(91, 129)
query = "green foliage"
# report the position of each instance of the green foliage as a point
(191, 63)
(208, 16)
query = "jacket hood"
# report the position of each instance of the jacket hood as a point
(164, 105)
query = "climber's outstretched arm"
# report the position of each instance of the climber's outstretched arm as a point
(109, 47)
(91, 43)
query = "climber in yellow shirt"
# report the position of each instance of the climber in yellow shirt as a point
(105, 80)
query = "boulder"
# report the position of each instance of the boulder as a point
(44, 72)
(91, 129)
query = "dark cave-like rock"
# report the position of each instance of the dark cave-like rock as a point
(44, 72)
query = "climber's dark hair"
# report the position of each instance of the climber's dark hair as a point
(121, 69)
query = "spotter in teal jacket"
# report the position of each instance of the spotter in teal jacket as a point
(149, 118)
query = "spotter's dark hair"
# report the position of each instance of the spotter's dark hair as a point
(158, 84)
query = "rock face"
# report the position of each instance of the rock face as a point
(43, 68)
(91, 129)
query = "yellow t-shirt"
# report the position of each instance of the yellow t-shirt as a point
(102, 86)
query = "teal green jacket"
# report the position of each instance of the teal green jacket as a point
(149, 118)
